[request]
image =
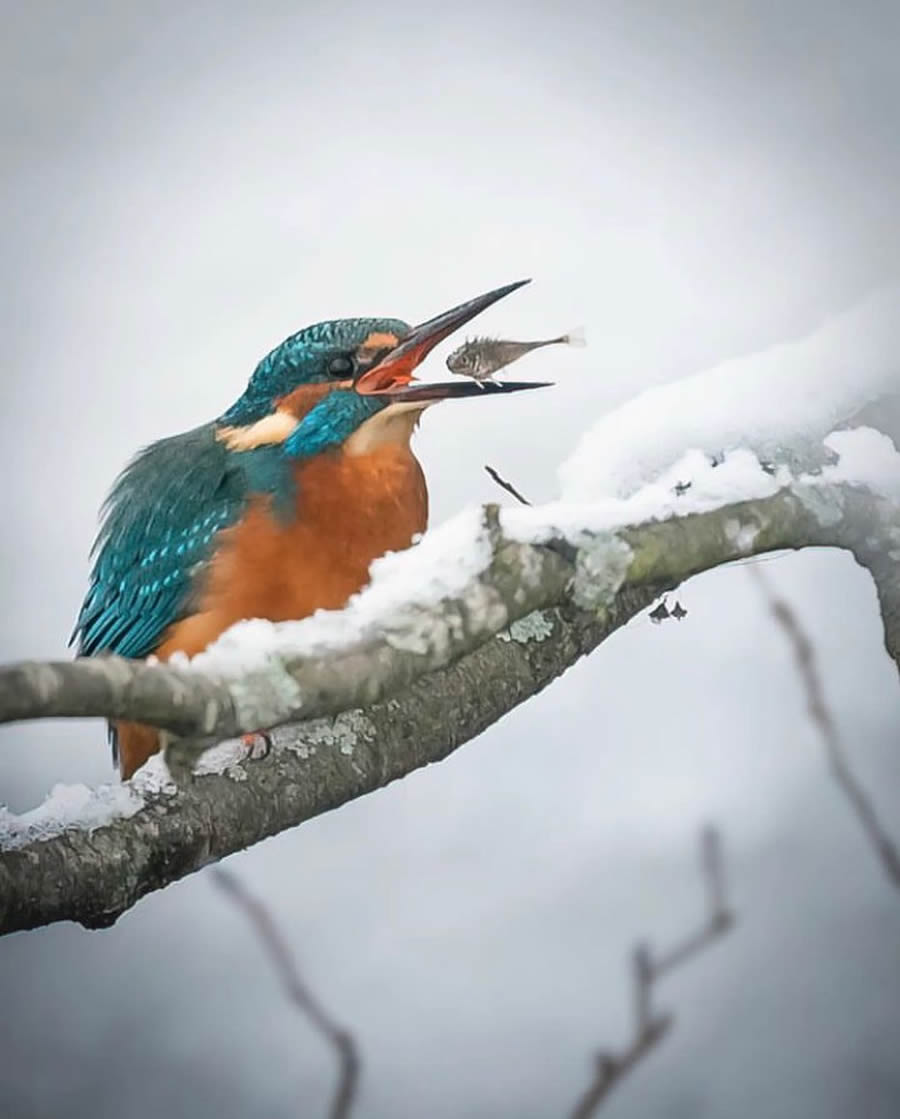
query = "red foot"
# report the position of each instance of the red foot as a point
(258, 745)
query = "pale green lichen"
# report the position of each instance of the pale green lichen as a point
(225, 758)
(345, 731)
(264, 697)
(826, 506)
(425, 632)
(210, 716)
(531, 569)
(43, 679)
(741, 534)
(600, 568)
(536, 626)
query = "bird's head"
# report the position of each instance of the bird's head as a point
(321, 356)
(319, 388)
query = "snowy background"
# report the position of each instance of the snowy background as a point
(185, 185)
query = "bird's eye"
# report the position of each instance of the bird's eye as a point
(341, 366)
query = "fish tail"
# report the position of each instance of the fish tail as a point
(573, 337)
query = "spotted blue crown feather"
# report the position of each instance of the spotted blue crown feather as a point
(303, 359)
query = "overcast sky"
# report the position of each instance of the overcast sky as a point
(184, 185)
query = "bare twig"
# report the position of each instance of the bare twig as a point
(805, 658)
(611, 1069)
(642, 969)
(714, 873)
(719, 916)
(650, 1027)
(273, 942)
(508, 486)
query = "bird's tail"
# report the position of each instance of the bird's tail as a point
(574, 337)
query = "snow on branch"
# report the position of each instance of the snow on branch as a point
(780, 403)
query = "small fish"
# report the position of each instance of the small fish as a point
(481, 358)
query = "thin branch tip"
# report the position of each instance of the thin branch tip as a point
(650, 1025)
(276, 947)
(806, 663)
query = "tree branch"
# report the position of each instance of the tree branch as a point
(808, 670)
(408, 692)
(518, 579)
(649, 1027)
(277, 949)
(508, 486)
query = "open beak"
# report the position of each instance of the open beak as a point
(393, 375)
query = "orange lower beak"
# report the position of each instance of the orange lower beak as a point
(393, 375)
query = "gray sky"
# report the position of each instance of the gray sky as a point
(187, 184)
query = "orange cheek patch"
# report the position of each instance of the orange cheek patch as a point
(379, 341)
(305, 397)
(375, 344)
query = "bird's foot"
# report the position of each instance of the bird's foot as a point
(257, 745)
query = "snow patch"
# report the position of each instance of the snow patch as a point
(78, 808)
(781, 401)
(866, 457)
(224, 759)
(67, 808)
(738, 477)
(600, 569)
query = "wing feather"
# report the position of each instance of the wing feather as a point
(158, 531)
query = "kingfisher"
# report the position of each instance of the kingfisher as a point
(278, 507)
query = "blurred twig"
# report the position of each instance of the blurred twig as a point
(650, 1027)
(805, 658)
(508, 486)
(719, 917)
(340, 1040)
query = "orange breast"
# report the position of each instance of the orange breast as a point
(350, 510)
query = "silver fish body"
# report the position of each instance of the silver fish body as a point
(481, 358)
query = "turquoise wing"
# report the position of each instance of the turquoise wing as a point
(158, 533)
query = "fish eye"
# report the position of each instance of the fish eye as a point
(341, 366)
